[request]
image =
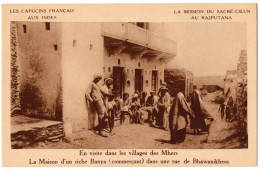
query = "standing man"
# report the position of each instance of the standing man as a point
(163, 104)
(106, 90)
(95, 96)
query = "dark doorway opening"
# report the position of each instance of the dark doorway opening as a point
(154, 80)
(118, 81)
(139, 80)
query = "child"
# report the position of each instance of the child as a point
(111, 109)
(124, 107)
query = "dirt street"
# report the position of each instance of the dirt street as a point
(137, 136)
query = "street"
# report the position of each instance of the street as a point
(137, 136)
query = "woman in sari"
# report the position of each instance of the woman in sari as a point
(178, 119)
(199, 111)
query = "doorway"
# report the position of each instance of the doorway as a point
(139, 80)
(118, 81)
(154, 80)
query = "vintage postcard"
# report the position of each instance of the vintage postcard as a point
(129, 85)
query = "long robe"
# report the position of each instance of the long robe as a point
(162, 104)
(178, 120)
(199, 110)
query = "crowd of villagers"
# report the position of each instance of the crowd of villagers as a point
(165, 112)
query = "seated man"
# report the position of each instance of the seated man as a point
(135, 106)
(151, 104)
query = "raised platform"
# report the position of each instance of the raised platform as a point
(26, 131)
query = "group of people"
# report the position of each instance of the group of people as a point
(103, 102)
(176, 114)
(130, 107)
(108, 106)
(164, 112)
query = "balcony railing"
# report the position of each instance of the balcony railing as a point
(115, 30)
(170, 46)
(134, 34)
(156, 41)
(137, 35)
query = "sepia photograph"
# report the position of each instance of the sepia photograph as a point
(128, 85)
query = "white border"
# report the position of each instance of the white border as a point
(126, 1)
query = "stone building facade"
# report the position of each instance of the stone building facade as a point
(57, 62)
(39, 53)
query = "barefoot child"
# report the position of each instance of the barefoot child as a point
(124, 107)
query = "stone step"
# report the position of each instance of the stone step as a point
(28, 133)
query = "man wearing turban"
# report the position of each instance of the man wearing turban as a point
(95, 96)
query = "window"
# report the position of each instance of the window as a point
(118, 61)
(139, 64)
(109, 69)
(24, 28)
(74, 44)
(140, 24)
(55, 47)
(47, 26)
(144, 25)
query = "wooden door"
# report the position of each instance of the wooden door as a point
(154, 80)
(139, 80)
(118, 81)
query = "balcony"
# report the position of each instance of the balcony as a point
(136, 39)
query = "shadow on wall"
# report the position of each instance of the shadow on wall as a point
(31, 100)
(33, 103)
